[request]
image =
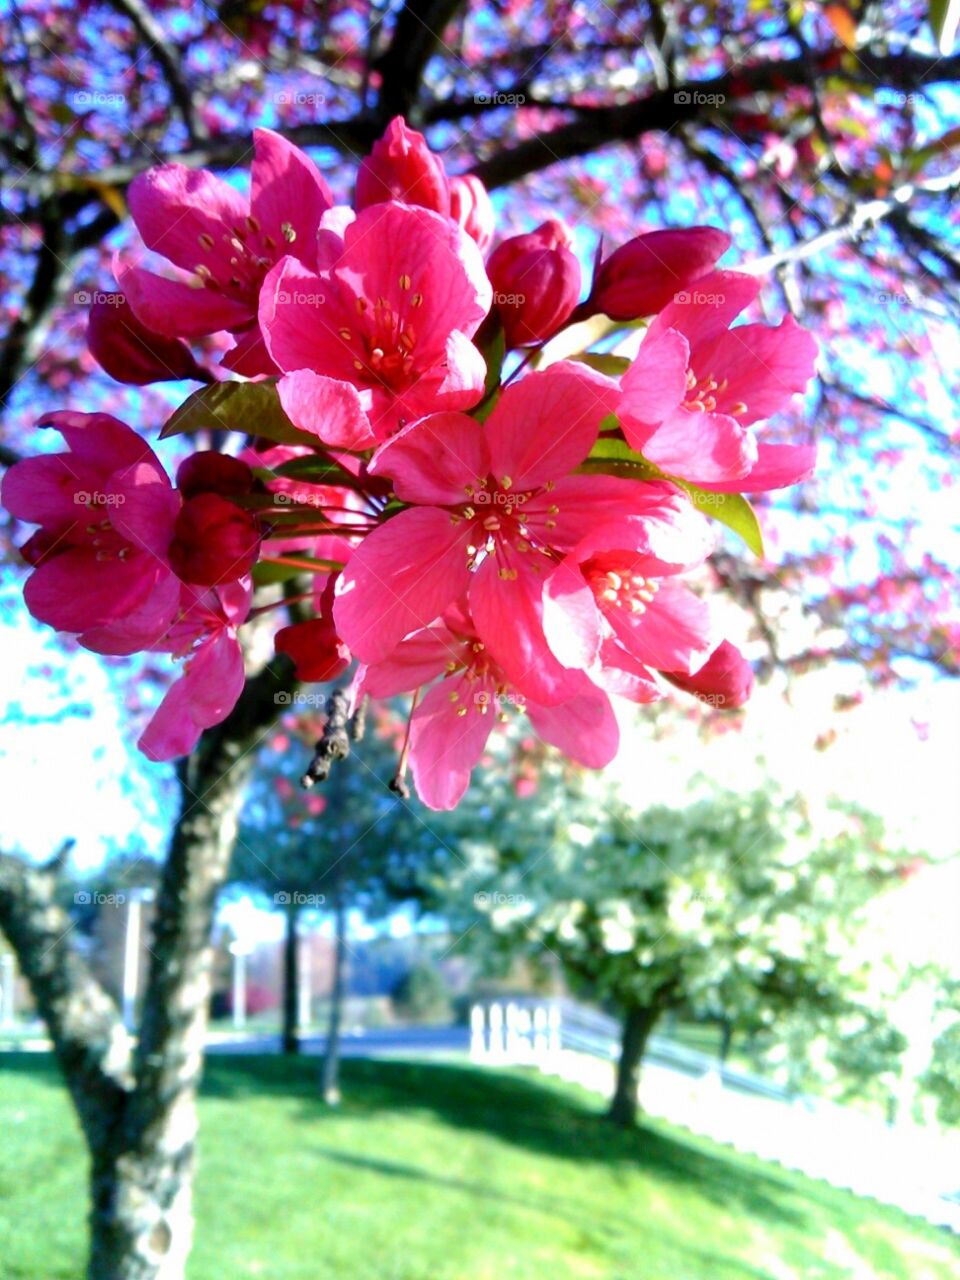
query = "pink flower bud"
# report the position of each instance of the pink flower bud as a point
(317, 651)
(402, 167)
(536, 283)
(725, 680)
(210, 472)
(130, 352)
(642, 276)
(470, 207)
(214, 541)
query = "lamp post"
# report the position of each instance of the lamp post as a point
(7, 991)
(239, 950)
(131, 954)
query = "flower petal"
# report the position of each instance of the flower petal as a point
(545, 425)
(584, 728)
(763, 365)
(288, 194)
(654, 385)
(447, 739)
(400, 578)
(676, 632)
(436, 460)
(701, 447)
(327, 408)
(508, 614)
(177, 209)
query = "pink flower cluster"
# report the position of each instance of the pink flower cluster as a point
(483, 534)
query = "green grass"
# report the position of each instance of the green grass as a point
(442, 1172)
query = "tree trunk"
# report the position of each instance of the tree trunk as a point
(291, 981)
(331, 1057)
(726, 1039)
(638, 1023)
(136, 1101)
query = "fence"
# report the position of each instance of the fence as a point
(914, 1168)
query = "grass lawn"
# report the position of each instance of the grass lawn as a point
(442, 1172)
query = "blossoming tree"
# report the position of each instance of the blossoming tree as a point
(412, 461)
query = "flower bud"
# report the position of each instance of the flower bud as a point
(130, 352)
(402, 167)
(536, 283)
(211, 472)
(470, 207)
(317, 651)
(214, 541)
(725, 680)
(642, 276)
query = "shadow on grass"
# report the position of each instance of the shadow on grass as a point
(514, 1107)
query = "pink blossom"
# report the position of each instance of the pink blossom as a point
(130, 352)
(697, 385)
(642, 276)
(725, 680)
(615, 598)
(106, 511)
(225, 242)
(536, 282)
(401, 166)
(470, 206)
(205, 637)
(495, 509)
(402, 292)
(450, 725)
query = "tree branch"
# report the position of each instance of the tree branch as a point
(89, 1039)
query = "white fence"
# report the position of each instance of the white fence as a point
(916, 1169)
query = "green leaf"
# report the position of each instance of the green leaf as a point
(731, 509)
(612, 456)
(493, 353)
(613, 366)
(280, 570)
(944, 19)
(249, 407)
